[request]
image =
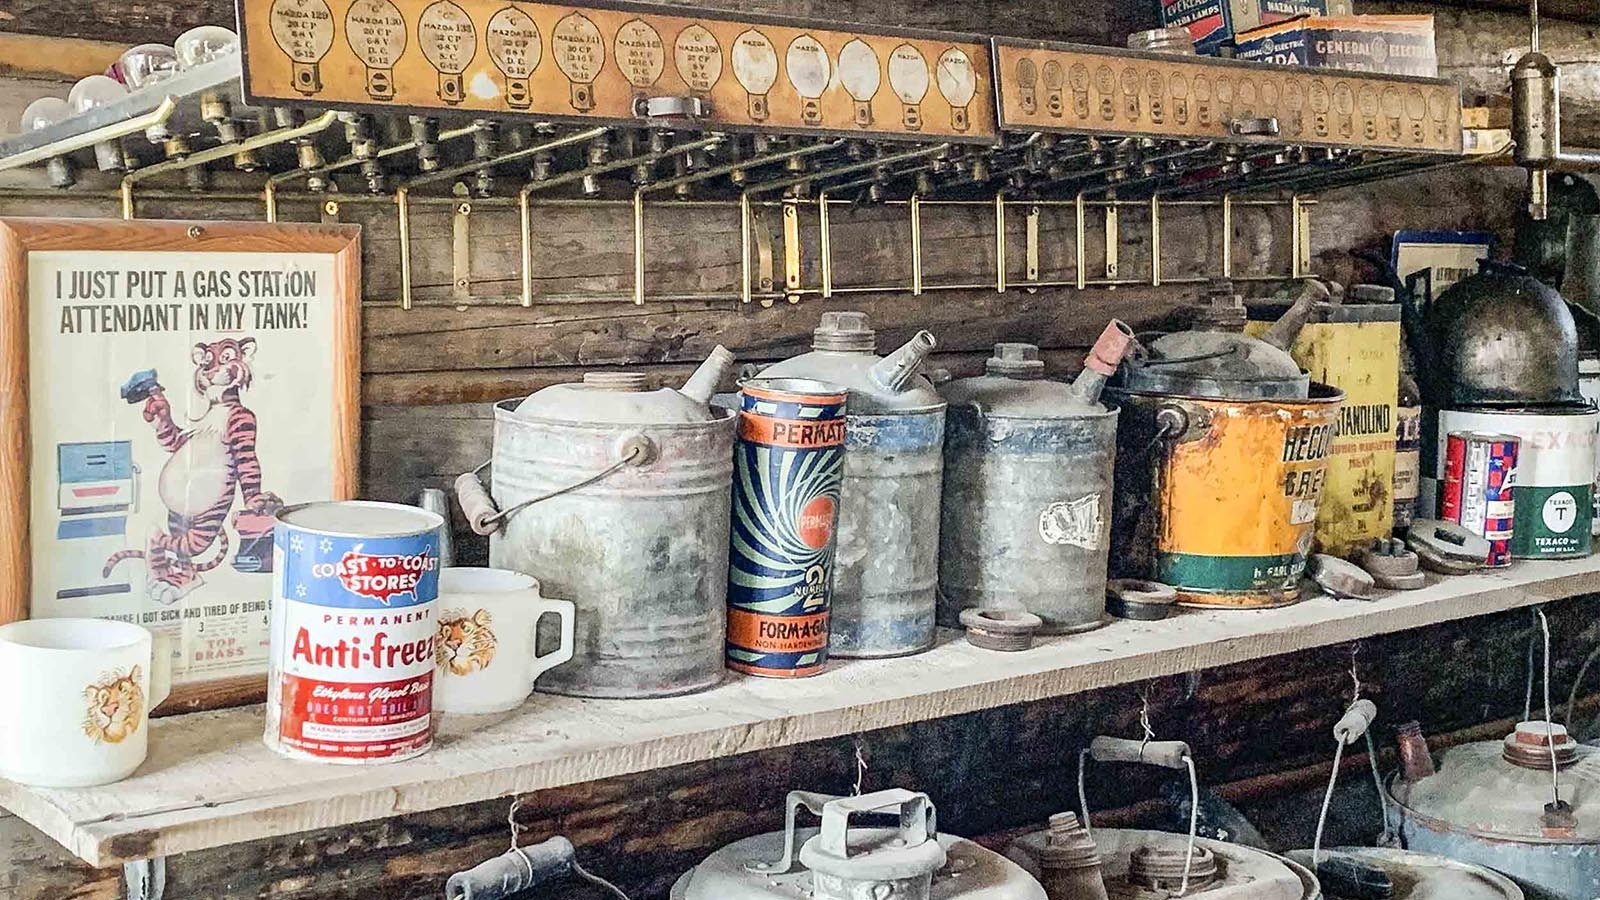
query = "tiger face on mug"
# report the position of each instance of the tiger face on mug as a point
(466, 641)
(115, 706)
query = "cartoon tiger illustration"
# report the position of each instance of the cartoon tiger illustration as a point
(116, 706)
(466, 644)
(211, 459)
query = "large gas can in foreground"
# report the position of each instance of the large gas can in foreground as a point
(1218, 498)
(617, 498)
(1027, 489)
(886, 561)
(1524, 806)
(843, 861)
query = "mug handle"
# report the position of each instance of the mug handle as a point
(542, 664)
(160, 668)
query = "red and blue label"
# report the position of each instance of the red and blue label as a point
(788, 467)
(353, 644)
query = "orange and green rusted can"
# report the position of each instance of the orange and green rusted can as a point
(1219, 498)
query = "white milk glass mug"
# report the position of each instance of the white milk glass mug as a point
(487, 640)
(75, 699)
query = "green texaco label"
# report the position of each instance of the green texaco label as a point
(1552, 522)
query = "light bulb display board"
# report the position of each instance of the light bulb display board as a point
(1087, 90)
(599, 62)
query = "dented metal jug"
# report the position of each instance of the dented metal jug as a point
(886, 561)
(617, 498)
(1027, 488)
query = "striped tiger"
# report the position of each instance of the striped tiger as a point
(213, 457)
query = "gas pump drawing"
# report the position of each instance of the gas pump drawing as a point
(97, 489)
(213, 459)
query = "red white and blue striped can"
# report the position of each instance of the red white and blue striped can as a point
(1477, 491)
(353, 628)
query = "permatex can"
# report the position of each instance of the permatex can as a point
(355, 585)
(788, 466)
(1477, 490)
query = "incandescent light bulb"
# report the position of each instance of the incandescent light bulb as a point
(198, 46)
(43, 113)
(91, 93)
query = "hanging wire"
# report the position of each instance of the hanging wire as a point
(1355, 676)
(1527, 697)
(597, 881)
(1386, 837)
(861, 768)
(1577, 684)
(1144, 719)
(1549, 726)
(1327, 800)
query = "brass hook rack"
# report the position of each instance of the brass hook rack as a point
(269, 194)
(255, 142)
(706, 175)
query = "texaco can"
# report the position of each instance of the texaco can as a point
(788, 466)
(1477, 489)
(355, 585)
(1555, 473)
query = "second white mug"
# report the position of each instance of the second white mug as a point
(487, 639)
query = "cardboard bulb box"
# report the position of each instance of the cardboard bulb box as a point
(1215, 23)
(1392, 45)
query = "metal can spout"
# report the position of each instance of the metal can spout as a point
(894, 372)
(705, 380)
(1284, 331)
(1107, 353)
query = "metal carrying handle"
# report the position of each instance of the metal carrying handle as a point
(485, 518)
(1257, 126)
(1166, 754)
(916, 818)
(809, 800)
(1349, 729)
(671, 107)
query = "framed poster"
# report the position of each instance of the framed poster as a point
(165, 389)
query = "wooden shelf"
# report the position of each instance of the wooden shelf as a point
(211, 782)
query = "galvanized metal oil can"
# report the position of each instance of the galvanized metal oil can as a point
(886, 561)
(617, 498)
(788, 467)
(841, 861)
(1555, 474)
(1355, 347)
(1525, 806)
(1027, 489)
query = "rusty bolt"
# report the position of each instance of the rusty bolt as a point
(464, 208)
(195, 231)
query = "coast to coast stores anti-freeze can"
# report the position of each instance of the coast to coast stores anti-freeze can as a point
(355, 585)
(788, 467)
(1477, 489)
(1555, 473)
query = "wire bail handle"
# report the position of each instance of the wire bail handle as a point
(634, 451)
(1166, 754)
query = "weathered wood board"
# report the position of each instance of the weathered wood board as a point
(211, 782)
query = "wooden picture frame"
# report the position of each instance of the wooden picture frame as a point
(103, 283)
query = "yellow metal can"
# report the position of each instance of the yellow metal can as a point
(1355, 348)
(1219, 498)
